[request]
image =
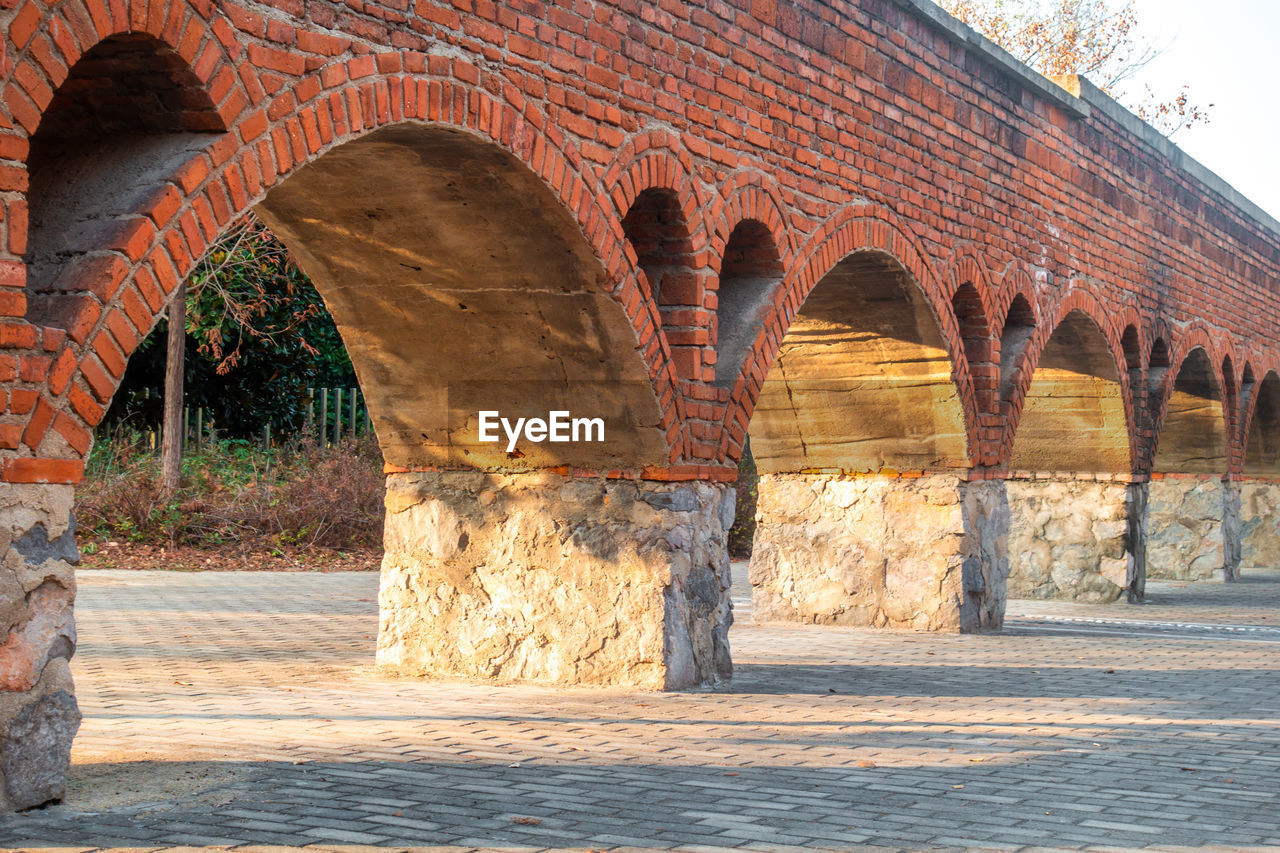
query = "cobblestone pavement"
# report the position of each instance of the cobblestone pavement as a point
(240, 709)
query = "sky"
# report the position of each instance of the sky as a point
(1226, 52)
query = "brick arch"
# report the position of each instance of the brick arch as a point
(44, 56)
(1181, 343)
(972, 297)
(646, 163)
(1013, 334)
(196, 203)
(746, 216)
(1230, 383)
(1246, 406)
(747, 195)
(1260, 364)
(858, 228)
(1158, 331)
(1016, 280)
(1260, 430)
(1082, 299)
(1128, 316)
(1196, 336)
(967, 266)
(657, 160)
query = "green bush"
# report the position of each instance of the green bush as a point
(258, 336)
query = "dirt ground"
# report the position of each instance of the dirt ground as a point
(128, 555)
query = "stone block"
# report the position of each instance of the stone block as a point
(926, 553)
(1076, 539)
(544, 578)
(1187, 520)
(37, 750)
(1259, 524)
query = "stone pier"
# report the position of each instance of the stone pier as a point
(38, 711)
(1195, 528)
(1260, 524)
(1077, 538)
(547, 578)
(927, 553)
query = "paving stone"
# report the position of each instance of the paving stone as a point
(259, 671)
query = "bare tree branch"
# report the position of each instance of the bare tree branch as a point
(1097, 39)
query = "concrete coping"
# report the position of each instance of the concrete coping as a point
(1079, 97)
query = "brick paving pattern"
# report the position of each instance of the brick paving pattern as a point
(229, 709)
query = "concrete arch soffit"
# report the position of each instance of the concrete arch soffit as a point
(1195, 336)
(165, 249)
(1250, 413)
(1079, 298)
(857, 228)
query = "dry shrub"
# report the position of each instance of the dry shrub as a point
(330, 496)
(120, 494)
(236, 493)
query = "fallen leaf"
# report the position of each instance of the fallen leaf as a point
(526, 821)
(731, 774)
(1109, 672)
(977, 759)
(865, 763)
(957, 787)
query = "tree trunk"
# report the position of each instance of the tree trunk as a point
(171, 448)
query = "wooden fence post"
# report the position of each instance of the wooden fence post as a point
(324, 416)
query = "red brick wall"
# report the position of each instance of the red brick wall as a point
(836, 126)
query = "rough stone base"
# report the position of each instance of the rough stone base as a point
(928, 553)
(1260, 525)
(38, 712)
(1232, 531)
(1076, 539)
(1194, 529)
(540, 577)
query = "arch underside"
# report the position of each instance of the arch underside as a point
(1262, 453)
(1193, 437)
(1073, 415)
(862, 381)
(129, 114)
(461, 285)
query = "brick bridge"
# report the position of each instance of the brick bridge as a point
(987, 332)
